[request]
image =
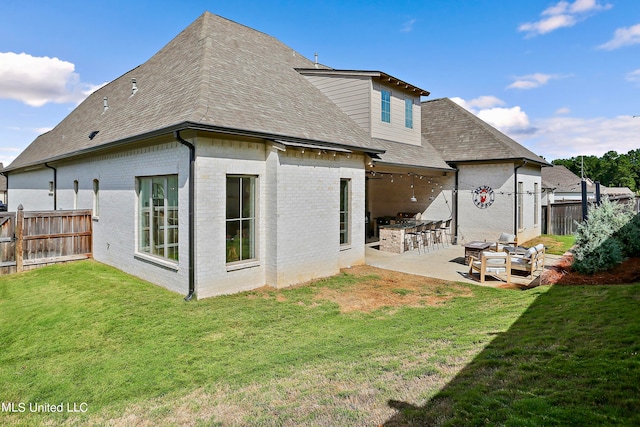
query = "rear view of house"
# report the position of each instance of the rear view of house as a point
(228, 161)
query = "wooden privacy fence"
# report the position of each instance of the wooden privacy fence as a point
(563, 218)
(30, 240)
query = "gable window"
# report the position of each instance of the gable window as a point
(386, 105)
(344, 212)
(96, 198)
(241, 218)
(158, 216)
(408, 113)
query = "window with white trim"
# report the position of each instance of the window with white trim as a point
(158, 216)
(241, 218)
(535, 204)
(96, 198)
(75, 194)
(345, 197)
(520, 205)
(385, 105)
(408, 113)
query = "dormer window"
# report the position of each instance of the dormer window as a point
(386, 105)
(408, 113)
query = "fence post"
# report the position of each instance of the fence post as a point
(19, 237)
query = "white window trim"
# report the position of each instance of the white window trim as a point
(149, 256)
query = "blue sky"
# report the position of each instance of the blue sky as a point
(560, 77)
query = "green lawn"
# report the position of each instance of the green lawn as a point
(556, 245)
(136, 354)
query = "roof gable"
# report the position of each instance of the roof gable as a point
(460, 136)
(216, 73)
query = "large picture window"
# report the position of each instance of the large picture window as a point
(241, 218)
(158, 216)
(386, 105)
(344, 212)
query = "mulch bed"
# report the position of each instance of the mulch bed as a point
(562, 274)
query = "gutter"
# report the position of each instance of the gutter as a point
(515, 192)
(192, 241)
(192, 126)
(55, 186)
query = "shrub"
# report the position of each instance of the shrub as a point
(629, 236)
(605, 238)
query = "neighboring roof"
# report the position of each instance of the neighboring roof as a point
(617, 191)
(3, 181)
(460, 136)
(562, 180)
(376, 75)
(216, 73)
(408, 155)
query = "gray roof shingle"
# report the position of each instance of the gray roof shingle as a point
(460, 136)
(215, 73)
(399, 154)
(562, 180)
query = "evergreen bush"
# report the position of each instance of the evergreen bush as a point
(606, 237)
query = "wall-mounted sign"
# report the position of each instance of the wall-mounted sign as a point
(483, 196)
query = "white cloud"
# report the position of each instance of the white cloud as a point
(37, 81)
(634, 76)
(562, 137)
(532, 81)
(407, 27)
(508, 120)
(562, 14)
(623, 37)
(565, 137)
(486, 101)
(512, 119)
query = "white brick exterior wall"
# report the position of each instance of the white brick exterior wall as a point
(33, 193)
(115, 230)
(297, 210)
(480, 224)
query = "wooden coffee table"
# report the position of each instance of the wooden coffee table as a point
(474, 249)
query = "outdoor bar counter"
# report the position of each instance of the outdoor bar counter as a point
(392, 236)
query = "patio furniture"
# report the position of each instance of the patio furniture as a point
(436, 233)
(491, 263)
(445, 231)
(505, 239)
(414, 238)
(473, 249)
(530, 261)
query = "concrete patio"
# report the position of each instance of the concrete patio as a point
(443, 263)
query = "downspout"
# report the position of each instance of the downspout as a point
(55, 186)
(455, 205)
(192, 241)
(515, 205)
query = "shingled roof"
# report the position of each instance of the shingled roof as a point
(460, 136)
(217, 74)
(408, 155)
(562, 180)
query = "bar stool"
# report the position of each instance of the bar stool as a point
(413, 239)
(445, 230)
(436, 233)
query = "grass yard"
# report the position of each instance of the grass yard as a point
(366, 347)
(556, 245)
